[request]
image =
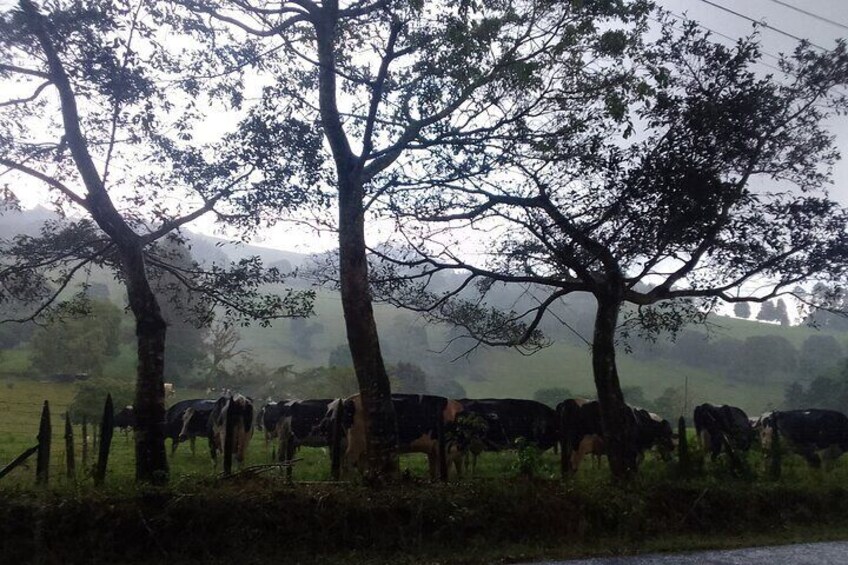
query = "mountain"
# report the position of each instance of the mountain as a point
(204, 248)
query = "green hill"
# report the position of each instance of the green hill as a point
(303, 344)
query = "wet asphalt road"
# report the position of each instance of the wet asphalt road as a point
(832, 553)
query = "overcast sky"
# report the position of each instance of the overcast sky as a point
(710, 16)
(785, 19)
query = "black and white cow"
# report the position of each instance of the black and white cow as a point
(814, 434)
(188, 420)
(237, 409)
(583, 435)
(266, 420)
(125, 418)
(301, 421)
(417, 420)
(493, 424)
(715, 424)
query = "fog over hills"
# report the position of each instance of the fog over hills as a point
(736, 361)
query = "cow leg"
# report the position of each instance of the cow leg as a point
(290, 451)
(433, 463)
(191, 444)
(175, 442)
(458, 461)
(829, 457)
(213, 450)
(811, 457)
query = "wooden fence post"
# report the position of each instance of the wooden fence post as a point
(84, 444)
(45, 432)
(336, 442)
(17, 461)
(107, 426)
(69, 447)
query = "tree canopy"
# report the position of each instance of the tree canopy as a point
(102, 114)
(693, 179)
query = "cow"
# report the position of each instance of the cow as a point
(814, 434)
(492, 424)
(418, 418)
(266, 420)
(237, 410)
(125, 418)
(582, 434)
(301, 422)
(184, 420)
(187, 420)
(715, 425)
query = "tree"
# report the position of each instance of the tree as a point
(340, 357)
(417, 110)
(670, 404)
(742, 310)
(763, 356)
(91, 394)
(819, 353)
(301, 336)
(774, 312)
(693, 348)
(835, 301)
(768, 312)
(78, 342)
(96, 113)
(408, 378)
(826, 391)
(223, 341)
(187, 329)
(667, 221)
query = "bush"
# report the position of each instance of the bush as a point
(91, 396)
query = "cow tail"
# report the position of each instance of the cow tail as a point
(247, 417)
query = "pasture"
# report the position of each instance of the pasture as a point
(497, 515)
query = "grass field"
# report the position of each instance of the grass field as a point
(496, 516)
(21, 404)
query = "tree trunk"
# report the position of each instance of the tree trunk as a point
(616, 419)
(381, 426)
(151, 463)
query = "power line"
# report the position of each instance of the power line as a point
(811, 14)
(762, 23)
(729, 38)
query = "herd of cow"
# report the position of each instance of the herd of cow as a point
(456, 432)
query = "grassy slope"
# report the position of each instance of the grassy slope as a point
(499, 372)
(511, 376)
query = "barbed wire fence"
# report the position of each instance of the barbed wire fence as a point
(19, 431)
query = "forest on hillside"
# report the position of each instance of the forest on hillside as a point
(308, 357)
